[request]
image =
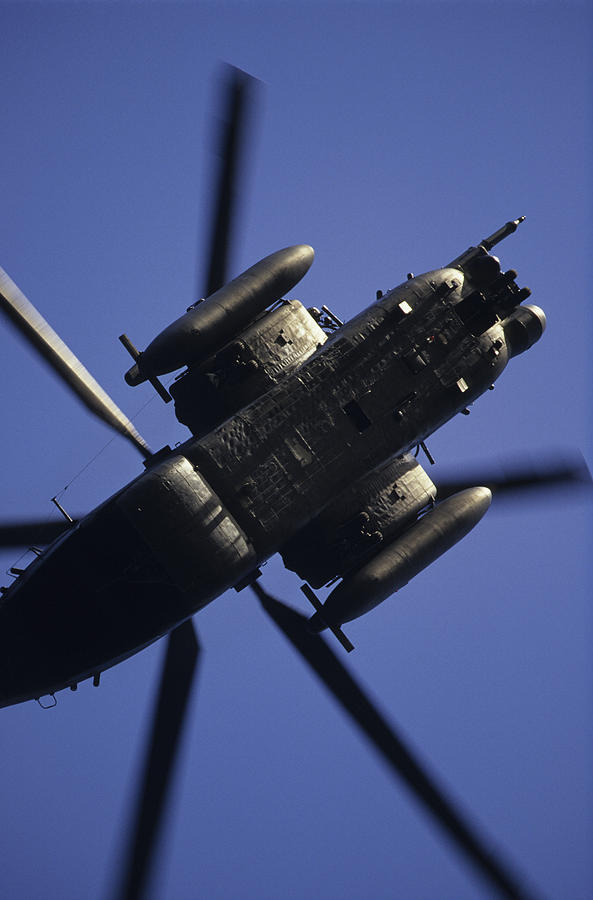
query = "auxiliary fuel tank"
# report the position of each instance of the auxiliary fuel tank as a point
(210, 324)
(431, 536)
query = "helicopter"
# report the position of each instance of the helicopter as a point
(303, 431)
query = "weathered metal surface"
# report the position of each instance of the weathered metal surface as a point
(187, 529)
(272, 347)
(356, 403)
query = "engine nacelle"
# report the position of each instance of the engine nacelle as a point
(277, 343)
(213, 322)
(523, 328)
(431, 536)
(367, 515)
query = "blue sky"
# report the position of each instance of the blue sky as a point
(390, 137)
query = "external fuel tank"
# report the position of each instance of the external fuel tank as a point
(206, 327)
(390, 569)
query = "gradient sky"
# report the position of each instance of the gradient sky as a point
(390, 137)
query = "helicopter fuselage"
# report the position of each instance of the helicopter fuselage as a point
(204, 516)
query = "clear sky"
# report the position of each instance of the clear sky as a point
(391, 137)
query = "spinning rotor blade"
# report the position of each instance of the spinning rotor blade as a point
(341, 684)
(31, 534)
(514, 481)
(53, 349)
(237, 107)
(174, 692)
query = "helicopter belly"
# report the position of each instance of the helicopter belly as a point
(187, 528)
(127, 574)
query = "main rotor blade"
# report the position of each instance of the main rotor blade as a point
(174, 692)
(514, 481)
(52, 348)
(237, 90)
(31, 534)
(341, 684)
